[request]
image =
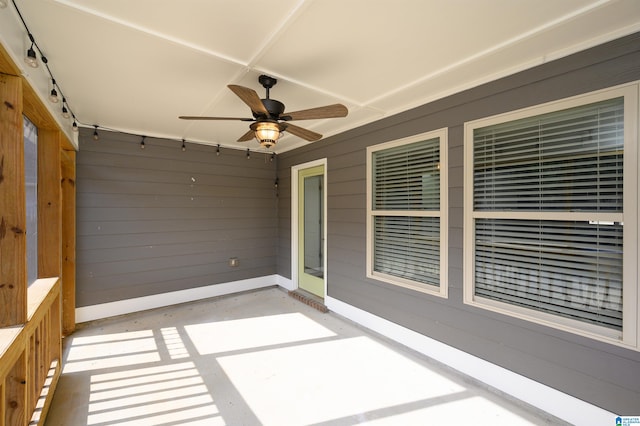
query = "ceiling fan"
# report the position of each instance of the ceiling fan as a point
(269, 117)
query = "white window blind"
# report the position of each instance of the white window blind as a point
(405, 228)
(562, 165)
(570, 269)
(408, 247)
(407, 177)
(570, 160)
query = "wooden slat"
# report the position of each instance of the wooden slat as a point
(49, 204)
(2, 399)
(51, 356)
(68, 242)
(15, 393)
(32, 362)
(13, 279)
(55, 324)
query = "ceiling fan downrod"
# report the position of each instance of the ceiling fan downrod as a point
(267, 82)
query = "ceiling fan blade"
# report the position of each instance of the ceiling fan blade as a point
(329, 111)
(249, 97)
(303, 133)
(247, 136)
(196, 117)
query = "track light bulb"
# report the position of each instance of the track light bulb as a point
(31, 59)
(65, 111)
(218, 150)
(95, 133)
(53, 96)
(142, 143)
(74, 126)
(248, 154)
(184, 147)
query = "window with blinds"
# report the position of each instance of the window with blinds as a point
(545, 217)
(570, 160)
(405, 229)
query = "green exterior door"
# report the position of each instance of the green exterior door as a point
(311, 230)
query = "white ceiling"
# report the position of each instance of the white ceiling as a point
(135, 66)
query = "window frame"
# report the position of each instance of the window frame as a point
(630, 335)
(442, 214)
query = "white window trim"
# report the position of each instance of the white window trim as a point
(442, 290)
(630, 335)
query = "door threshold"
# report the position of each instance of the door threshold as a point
(309, 299)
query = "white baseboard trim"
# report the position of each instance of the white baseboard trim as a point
(552, 401)
(285, 283)
(120, 307)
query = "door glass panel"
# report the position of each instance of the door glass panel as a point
(313, 222)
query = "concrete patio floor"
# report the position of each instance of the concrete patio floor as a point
(261, 358)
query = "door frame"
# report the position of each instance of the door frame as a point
(295, 220)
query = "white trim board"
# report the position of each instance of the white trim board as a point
(286, 283)
(547, 399)
(121, 307)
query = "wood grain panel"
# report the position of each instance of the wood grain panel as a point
(13, 279)
(68, 190)
(49, 204)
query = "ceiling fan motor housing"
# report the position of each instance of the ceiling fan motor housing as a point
(274, 107)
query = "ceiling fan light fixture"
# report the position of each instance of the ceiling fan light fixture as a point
(267, 132)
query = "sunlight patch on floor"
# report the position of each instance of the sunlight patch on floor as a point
(111, 350)
(131, 382)
(250, 333)
(330, 380)
(474, 410)
(154, 395)
(173, 342)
